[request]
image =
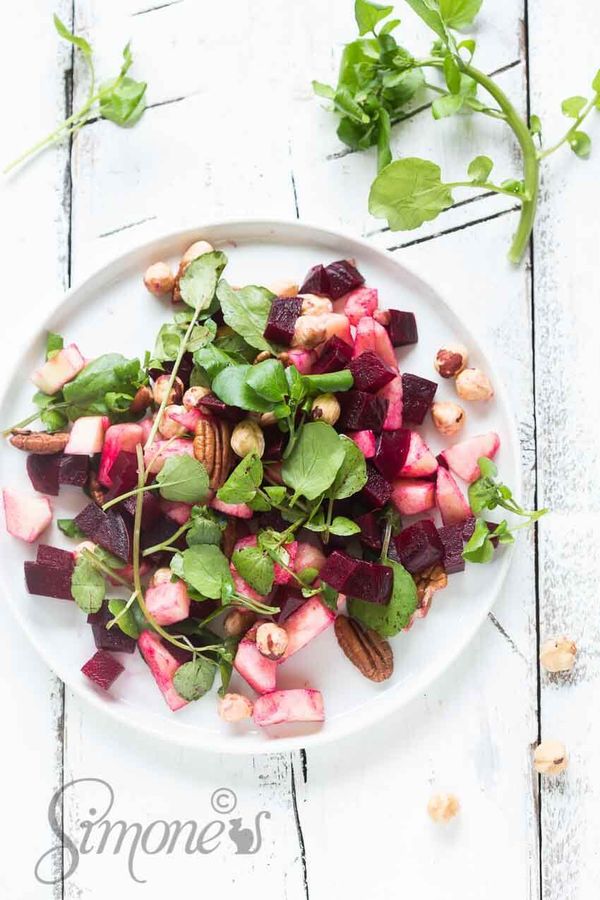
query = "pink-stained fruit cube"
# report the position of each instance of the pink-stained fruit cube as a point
(168, 602)
(370, 335)
(360, 302)
(118, 438)
(462, 458)
(237, 510)
(56, 372)
(420, 461)
(296, 705)
(411, 496)
(187, 418)
(365, 441)
(337, 325)
(259, 672)
(450, 499)
(103, 669)
(87, 436)
(163, 666)
(304, 360)
(308, 557)
(156, 455)
(179, 512)
(306, 623)
(27, 515)
(392, 394)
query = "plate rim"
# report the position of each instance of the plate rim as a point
(381, 706)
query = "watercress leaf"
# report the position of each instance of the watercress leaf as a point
(389, 26)
(205, 568)
(487, 467)
(74, 39)
(480, 168)
(206, 527)
(343, 527)
(235, 345)
(580, 143)
(68, 527)
(126, 620)
(111, 373)
(387, 620)
(199, 281)
(479, 548)
(194, 679)
(384, 154)
(212, 360)
(330, 382)
(345, 103)
(255, 568)
(308, 575)
(53, 420)
(54, 343)
(459, 13)
(268, 379)
(352, 474)
(368, 15)
(596, 82)
(183, 479)
(430, 16)
(447, 105)
(259, 503)
(314, 461)
(483, 494)
(535, 125)
(323, 90)
(408, 193)
(87, 586)
(232, 387)
(123, 101)
(296, 385)
(276, 493)
(469, 45)
(572, 106)
(514, 186)
(247, 311)
(329, 596)
(244, 481)
(451, 73)
(108, 558)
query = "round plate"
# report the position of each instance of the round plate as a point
(112, 312)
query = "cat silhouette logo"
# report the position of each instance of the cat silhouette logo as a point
(247, 840)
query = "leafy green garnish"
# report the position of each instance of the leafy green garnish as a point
(183, 479)
(247, 311)
(256, 568)
(194, 679)
(68, 527)
(92, 391)
(205, 527)
(232, 387)
(388, 619)
(351, 476)
(314, 461)
(87, 586)
(244, 481)
(124, 618)
(199, 281)
(205, 568)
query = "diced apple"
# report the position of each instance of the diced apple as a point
(450, 499)
(87, 436)
(163, 667)
(411, 496)
(259, 672)
(27, 515)
(370, 335)
(56, 372)
(392, 392)
(306, 623)
(462, 458)
(337, 325)
(304, 360)
(168, 602)
(179, 512)
(361, 302)
(297, 705)
(365, 441)
(308, 557)
(238, 510)
(159, 452)
(420, 461)
(118, 438)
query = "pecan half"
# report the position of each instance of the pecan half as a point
(40, 442)
(428, 582)
(367, 650)
(213, 450)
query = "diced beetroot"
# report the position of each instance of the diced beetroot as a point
(74, 470)
(103, 669)
(187, 418)
(451, 537)
(281, 322)
(48, 581)
(297, 705)
(304, 360)
(370, 531)
(450, 499)
(210, 403)
(156, 455)
(151, 510)
(308, 557)
(342, 277)
(402, 328)
(417, 547)
(239, 510)
(337, 569)
(308, 621)
(160, 531)
(55, 372)
(365, 441)
(337, 325)
(462, 458)
(27, 515)
(370, 335)
(168, 602)
(358, 578)
(108, 529)
(87, 436)
(179, 512)
(420, 461)
(335, 354)
(275, 441)
(361, 411)
(259, 672)
(392, 394)
(109, 638)
(361, 302)
(163, 666)
(370, 373)
(316, 282)
(468, 528)
(55, 557)
(392, 451)
(417, 397)
(118, 438)
(411, 496)
(289, 598)
(377, 491)
(43, 472)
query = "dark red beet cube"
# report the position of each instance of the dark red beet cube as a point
(316, 282)
(342, 277)
(109, 638)
(54, 556)
(163, 529)
(391, 453)
(108, 529)
(370, 372)
(335, 355)
(357, 578)
(282, 320)
(123, 474)
(151, 510)
(200, 609)
(275, 442)
(337, 569)
(417, 397)
(48, 581)
(402, 328)
(43, 472)
(451, 537)
(361, 411)
(212, 404)
(417, 547)
(74, 470)
(102, 669)
(468, 527)
(377, 491)
(288, 598)
(370, 531)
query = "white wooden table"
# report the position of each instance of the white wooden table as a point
(233, 130)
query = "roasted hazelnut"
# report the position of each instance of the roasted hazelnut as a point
(448, 417)
(558, 654)
(443, 807)
(159, 279)
(267, 419)
(247, 437)
(309, 331)
(550, 758)
(198, 248)
(161, 576)
(283, 288)
(168, 426)
(271, 640)
(238, 621)
(313, 305)
(84, 545)
(382, 316)
(142, 400)
(235, 707)
(193, 396)
(159, 391)
(450, 360)
(326, 408)
(473, 384)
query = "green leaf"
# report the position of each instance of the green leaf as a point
(244, 481)
(268, 380)
(459, 13)
(384, 154)
(430, 16)
(345, 103)
(596, 82)
(368, 15)
(480, 168)
(255, 568)
(452, 74)
(183, 479)
(54, 343)
(126, 620)
(53, 420)
(323, 90)
(87, 586)
(276, 493)
(479, 548)
(408, 193)
(213, 359)
(199, 281)
(123, 102)
(389, 619)
(314, 461)
(352, 474)
(389, 26)
(330, 382)
(343, 527)
(329, 596)
(447, 105)
(572, 106)
(206, 527)
(205, 569)
(77, 41)
(247, 311)
(194, 679)
(68, 527)
(580, 143)
(232, 387)
(535, 125)
(108, 374)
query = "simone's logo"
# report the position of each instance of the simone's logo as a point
(100, 834)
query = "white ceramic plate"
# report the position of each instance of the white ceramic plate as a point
(112, 311)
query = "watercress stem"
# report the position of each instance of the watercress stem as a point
(106, 570)
(542, 154)
(132, 493)
(166, 545)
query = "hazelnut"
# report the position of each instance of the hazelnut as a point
(238, 621)
(448, 418)
(268, 419)
(313, 305)
(168, 426)
(558, 654)
(550, 758)
(235, 707)
(193, 396)
(443, 807)
(84, 545)
(247, 437)
(159, 391)
(262, 356)
(159, 279)
(198, 248)
(161, 576)
(473, 384)
(450, 360)
(271, 640)
(326, 408)
(283, 288)
(309, 331)
(382, 316)
(141, 401)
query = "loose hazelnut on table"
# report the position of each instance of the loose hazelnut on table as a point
(451, 360)
(235, 707)
(159, 279)
(159, 391)
(309, 331)
(443, 807)
(271, 640)
(325, 408)
(558, 654)
(247, 437)
(550, 758)
(313, 305)
(448, 417)
(193, 396)
(473, 384)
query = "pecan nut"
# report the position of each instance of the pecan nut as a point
(40, 442)
(367, 650)
(428, 582)
(212, 449)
